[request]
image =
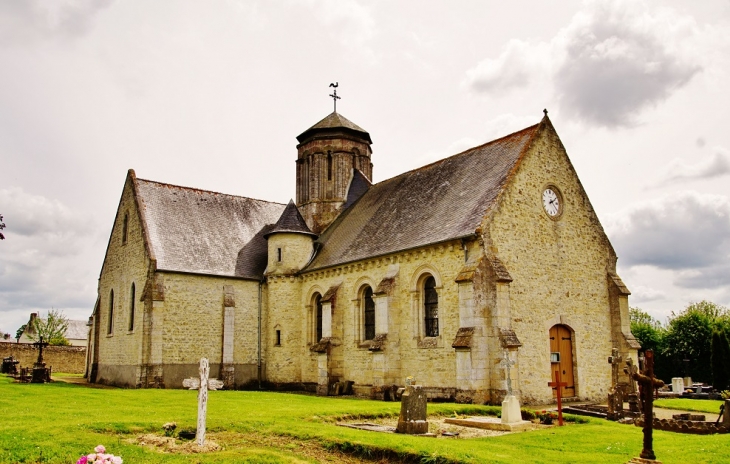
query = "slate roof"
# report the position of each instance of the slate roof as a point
(77, 330)
(333, 122)
(438, 202)
(291, 221)
(197, 231)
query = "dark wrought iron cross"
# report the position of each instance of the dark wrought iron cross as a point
(334, 95)
(40, 344)
(647, 384)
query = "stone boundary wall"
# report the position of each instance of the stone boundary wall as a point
(70, 359)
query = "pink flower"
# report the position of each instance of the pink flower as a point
(82, 460)
(100, 449)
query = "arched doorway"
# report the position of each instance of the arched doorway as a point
(561, 358)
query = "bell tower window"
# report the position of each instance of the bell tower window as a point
(329, 165)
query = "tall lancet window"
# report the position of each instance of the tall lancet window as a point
(431, 307)
(369, 310)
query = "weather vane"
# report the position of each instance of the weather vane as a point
(334, 95)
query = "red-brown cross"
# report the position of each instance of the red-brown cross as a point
(558, 385)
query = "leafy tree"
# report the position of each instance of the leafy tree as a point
(720, 360)
(647, 330)
(2, 226)
(650, 334)
(52, 328)
(20, 331)
(689, 336)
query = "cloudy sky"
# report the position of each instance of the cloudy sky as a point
(212, 95)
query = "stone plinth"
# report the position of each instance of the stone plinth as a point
(511, 410)
(491, 423)
(412, 418)
(644, 461)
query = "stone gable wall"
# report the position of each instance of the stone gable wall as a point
(120, 353)
(559, 270)
(67, 359)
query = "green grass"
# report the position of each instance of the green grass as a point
(56, 423)
(686, 404)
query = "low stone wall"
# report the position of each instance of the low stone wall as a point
(686, 426)
(70, 359)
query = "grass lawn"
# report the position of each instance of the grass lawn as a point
(58, 422)
(686, 404)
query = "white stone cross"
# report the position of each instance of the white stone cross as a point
(506, 363)
(202, 385)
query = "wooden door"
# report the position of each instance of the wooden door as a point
(561, 341)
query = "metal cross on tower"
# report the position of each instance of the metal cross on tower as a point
(334, 95)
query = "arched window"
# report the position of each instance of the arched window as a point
(125, 226)
(131, 309)
(431, 307)
(110, 328)
(368, 305)
(318, 317)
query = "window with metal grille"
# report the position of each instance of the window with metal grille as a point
(318, 305)
(369, 307)
(431, 307)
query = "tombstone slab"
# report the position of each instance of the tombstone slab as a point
(413, 414)
(677, 385)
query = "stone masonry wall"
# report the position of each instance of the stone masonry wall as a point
(406, 352)
(120, 351)
(559, 270)
(68, 359)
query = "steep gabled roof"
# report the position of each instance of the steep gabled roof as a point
(197, 231)
(438, 202)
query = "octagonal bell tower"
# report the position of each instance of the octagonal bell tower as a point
(328, 154)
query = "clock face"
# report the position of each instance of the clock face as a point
(551, 202)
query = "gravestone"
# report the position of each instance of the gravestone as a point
(633, 397)
(677, 385)
(412, 419)
(615, 394)
(40, 373)
(203, 384)
(510, 406)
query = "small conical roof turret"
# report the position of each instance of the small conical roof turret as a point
(290, 221)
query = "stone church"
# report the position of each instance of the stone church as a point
(442, 273)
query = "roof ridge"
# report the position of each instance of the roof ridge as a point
(461, 153)
(193, 189)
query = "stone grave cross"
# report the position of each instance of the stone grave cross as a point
(202, 385)
(647, 384)
(615, 394)
(506, 363)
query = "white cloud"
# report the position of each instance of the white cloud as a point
(43, 259)
(32, 20)
(716, 166)
(684, 231)
(519, 63)
(352, 23)
(642, 293)
(614, 60)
